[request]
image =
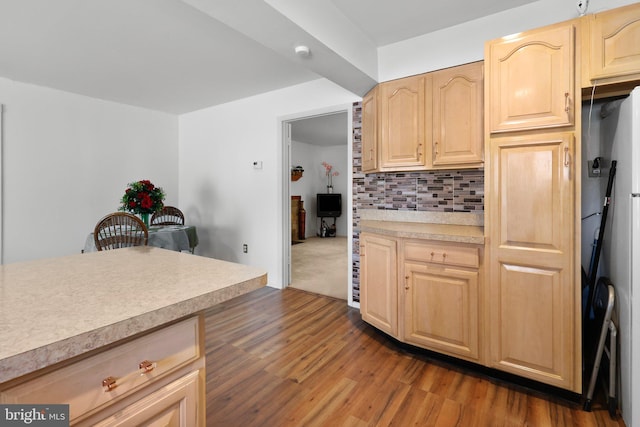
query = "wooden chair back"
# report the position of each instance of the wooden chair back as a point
(168, 215)
(120, 230)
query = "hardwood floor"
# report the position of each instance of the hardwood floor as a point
(293, 358)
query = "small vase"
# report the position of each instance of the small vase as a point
(329, 189)
(145, 219)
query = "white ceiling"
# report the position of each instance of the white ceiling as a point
(326, 130)
(178, 56)
(387, 22)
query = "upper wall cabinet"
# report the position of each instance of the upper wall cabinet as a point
(402, 123)
(458, 116)
(370, 131)
(428, 121)
(532, 79)
(612, 46)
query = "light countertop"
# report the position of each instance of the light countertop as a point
(54, 309)
(446, 227)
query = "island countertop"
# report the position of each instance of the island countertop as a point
(54, 309)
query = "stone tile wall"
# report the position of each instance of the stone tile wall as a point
(443, 191)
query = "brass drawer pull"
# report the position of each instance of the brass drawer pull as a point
(146, 366)
(109, 383)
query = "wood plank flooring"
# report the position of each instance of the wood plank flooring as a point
(293, 358)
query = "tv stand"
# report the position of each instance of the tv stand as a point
(325, 229)
(328, 205)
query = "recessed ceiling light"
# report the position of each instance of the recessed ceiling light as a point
(302, 51)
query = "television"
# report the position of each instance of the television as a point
(328, 205)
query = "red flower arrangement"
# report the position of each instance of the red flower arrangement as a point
(142, 197)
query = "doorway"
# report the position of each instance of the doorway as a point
(311, 140)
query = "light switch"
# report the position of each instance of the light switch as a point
(257, 164)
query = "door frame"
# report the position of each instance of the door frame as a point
(284, 127)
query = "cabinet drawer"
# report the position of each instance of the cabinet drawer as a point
(442, 254)
(81, 384)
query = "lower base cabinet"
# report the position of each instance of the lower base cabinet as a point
(441, 309)
(175, 404)
(432, 295)
(157, 379)
(433, 302)
(378, 269)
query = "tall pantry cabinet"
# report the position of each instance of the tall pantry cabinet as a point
(532, 213)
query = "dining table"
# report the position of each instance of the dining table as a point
(174, 237)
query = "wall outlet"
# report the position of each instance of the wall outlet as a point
(594, 172)
(245, 248)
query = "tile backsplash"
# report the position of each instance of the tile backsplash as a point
(441, 191)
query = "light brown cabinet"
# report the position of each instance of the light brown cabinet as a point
(436, 304)
(458, 106)
(172, 405)
(532, 209)
(369, 137)
(531, 79)
(403, 123)
(146, 380)
(424, 122)
(611, 46)
(378, 282)
(534, 314)
(441, 298)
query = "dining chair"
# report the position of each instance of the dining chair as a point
(168, 215)
(120, 230)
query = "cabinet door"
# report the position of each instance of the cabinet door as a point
(615, 42)
(402, 123)
(531, 79)
(174, 405)
(370, 131)
(378, 282)
(441, 309)
(533, 294)
(458, 104)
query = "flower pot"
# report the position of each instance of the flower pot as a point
(145, 219)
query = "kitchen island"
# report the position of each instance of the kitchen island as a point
(60, 313)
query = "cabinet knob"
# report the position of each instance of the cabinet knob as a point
(109, 383)
(146, 366)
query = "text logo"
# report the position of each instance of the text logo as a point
(34, 415)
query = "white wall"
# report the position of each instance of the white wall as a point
(66, 162)
(314, 181)
(231, 202)
(465, 43)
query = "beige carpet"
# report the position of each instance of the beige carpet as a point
(319, 265)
